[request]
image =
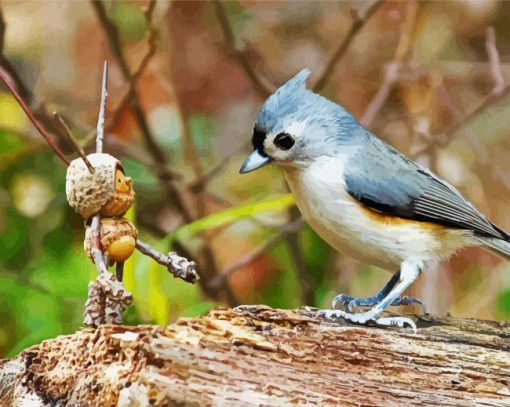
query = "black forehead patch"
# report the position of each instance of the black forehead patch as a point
(258, 141)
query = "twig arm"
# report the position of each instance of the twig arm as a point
(178, 266)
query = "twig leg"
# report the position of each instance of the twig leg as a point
(119, 271)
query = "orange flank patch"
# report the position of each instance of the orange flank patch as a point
(395, 220)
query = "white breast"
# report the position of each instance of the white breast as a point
(321, 196)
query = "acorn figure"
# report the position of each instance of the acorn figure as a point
(98, 189)
(106, 191)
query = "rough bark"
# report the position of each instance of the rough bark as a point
(255, 355)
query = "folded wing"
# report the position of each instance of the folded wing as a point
(389, 183)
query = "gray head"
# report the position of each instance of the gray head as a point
(296, 125)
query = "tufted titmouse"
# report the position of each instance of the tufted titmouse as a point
(363, 197)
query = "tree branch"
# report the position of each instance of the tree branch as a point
(288, 228)
(165, 176)
(74, 143)
(500, 90)
(263, 88)
(24, 92)
(357, 25)
(41, 115)
(42, 131)
(256, 355)
(392, 69)
(152, 44)
(494, 62)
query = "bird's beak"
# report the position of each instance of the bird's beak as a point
(255, 160)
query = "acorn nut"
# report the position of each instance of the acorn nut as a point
(118, 238)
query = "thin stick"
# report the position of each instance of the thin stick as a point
(97, 252)
(356, 26)
(178, 266)
(290, 227)
(74, 143)
(31, 116)
(500, 90)
(263, 88)
(102, 110)
(494, 61)
(392, 70)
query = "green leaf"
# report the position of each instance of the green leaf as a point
(158, 299)
(221, 218)
(130, 20)
(503, 304)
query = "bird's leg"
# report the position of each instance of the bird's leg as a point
(349, 303)
(409, 272)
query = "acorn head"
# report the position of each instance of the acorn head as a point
(87, 193)
(123, 196)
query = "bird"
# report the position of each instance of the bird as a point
(364, 198)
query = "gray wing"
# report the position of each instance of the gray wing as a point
(384, 180)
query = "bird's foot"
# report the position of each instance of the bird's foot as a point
(364, 317)
(348, 303)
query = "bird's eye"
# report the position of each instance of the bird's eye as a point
(284, 141)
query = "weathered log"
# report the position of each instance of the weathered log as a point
(255, 355)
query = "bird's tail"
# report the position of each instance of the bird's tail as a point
(499, 246)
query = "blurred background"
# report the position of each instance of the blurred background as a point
(186, 81)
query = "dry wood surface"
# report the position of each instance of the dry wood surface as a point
(255, 355)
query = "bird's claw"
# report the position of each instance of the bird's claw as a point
(397, 321)
(364, 317)
(349, 303)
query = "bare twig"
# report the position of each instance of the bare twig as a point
(498, 92)
(390, 77)
(207, 262)
(102, 110)
(96, 250)
(356, 26)
(74, 143)
(494, 61)
(200, 183)
(7, 82)
(178, 266)
(24, 92)
(39, 112)
(263, 88)
(113, 36)
(290, 227)
(393, 68)
(191, 156)
(163, 174)
(152, 42)
(292, 240)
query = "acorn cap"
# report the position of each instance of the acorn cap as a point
(86, 192)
